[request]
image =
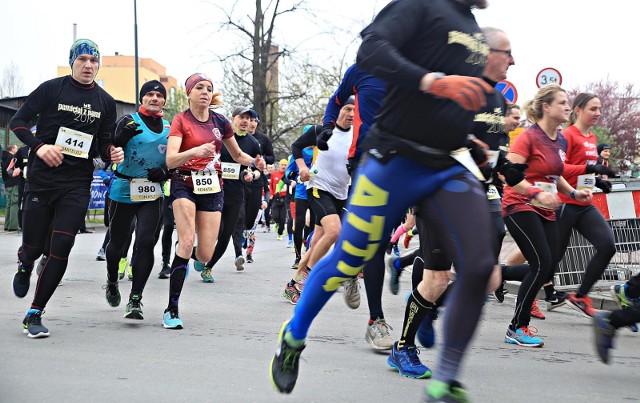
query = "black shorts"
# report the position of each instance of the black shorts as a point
(433, 255)
(73, 197)
(205, 202)
(323, 204)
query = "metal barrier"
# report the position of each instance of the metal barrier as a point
(624, 264)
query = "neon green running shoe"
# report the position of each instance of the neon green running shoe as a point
(122, 266)
(451, 392)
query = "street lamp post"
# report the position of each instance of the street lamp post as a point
(135, 38)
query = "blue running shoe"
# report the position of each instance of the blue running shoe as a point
(206, 275)
(197, 266)
(633, 328)
(407, 362)
(452, 392)
(426, 334)
(523, 336)
(604, 335)
(619, 293)
(285, 363)
(32, 324)
(394, 274)
(171, 320)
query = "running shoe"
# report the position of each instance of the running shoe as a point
(122, 266)
(378, 335)
(396, 250)
(130, 272)
(604, 335)
(41, 263)
(499, 293)
(134, 308)
(284, 364)
(249, 258)
(101, 256)
(451, 392)
(171, 319)
(198, 266)
(582, 305)
(558, 299)
(112, 293)
(206, 275)
(619, 293)
(633, 328)
(239, 263)
(22, 280)
(296, 264)
(351, 293)
(523, 336)
(32, 324)
(279, 237)
(426, 334)
(165, 272)
(291, 293)
(290, 243)
(407, 362)
(535, 311)
(394, 274)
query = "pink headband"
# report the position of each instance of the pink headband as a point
(195, 79)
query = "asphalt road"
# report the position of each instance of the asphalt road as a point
(223, 353)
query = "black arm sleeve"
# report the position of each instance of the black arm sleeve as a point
(307, 139)
(36, 103)
(379, 53)
(105, 133)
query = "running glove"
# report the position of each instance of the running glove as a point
(599, 169)
(323, 137)
(468, 92)
(158, 174)
(603, 185)
(513, 173)
(129, 130)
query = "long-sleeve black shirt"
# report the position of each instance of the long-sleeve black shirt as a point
(64, 102)
(234, 188)
(408, 39)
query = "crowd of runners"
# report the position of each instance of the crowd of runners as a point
(414, 142)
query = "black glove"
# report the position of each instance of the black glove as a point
(352, 164)
(129, 130)
(158, 174)
(323, 137)
(513, 173)
(478, 153)
(603, 185)
(293, 175)
(599, 169)
(244, 173)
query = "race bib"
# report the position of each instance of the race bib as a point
(492, 193)
(74, 143)
(144, 190)
(205, 182)
(546, 187)
(230, 170)
(463, 156)
(586, 182)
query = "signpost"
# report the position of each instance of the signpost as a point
(508, 90)
(548, 76)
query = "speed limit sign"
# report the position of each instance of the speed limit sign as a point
(548, 76)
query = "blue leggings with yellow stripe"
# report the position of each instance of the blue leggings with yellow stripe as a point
(451, 201)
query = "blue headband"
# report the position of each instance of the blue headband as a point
(83, 47)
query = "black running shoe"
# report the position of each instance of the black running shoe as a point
(284, 365)
(499, 293)
(134, 308)
(32, 324)
(112, 293)
(21, 280)
(557, 299)
(165, 272)
(296, 263)
(249, 258)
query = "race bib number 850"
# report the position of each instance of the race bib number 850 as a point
(205, 182)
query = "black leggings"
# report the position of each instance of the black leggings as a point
(537, 239)
(168, 224)
(247, 217)
(148, 217)
(279, 213)
(301, 230)
(230, 212)
(54, 217)
(588, 221)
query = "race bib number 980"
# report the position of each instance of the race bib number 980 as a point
(74, 142)
(144, 190)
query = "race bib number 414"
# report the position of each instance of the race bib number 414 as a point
(205, 182)
(74, 142)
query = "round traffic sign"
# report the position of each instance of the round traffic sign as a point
(548, 76)
(508, 90)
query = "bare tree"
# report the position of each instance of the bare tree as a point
(620, 120)
(11, 84)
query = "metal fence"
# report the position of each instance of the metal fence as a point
(624, 264)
